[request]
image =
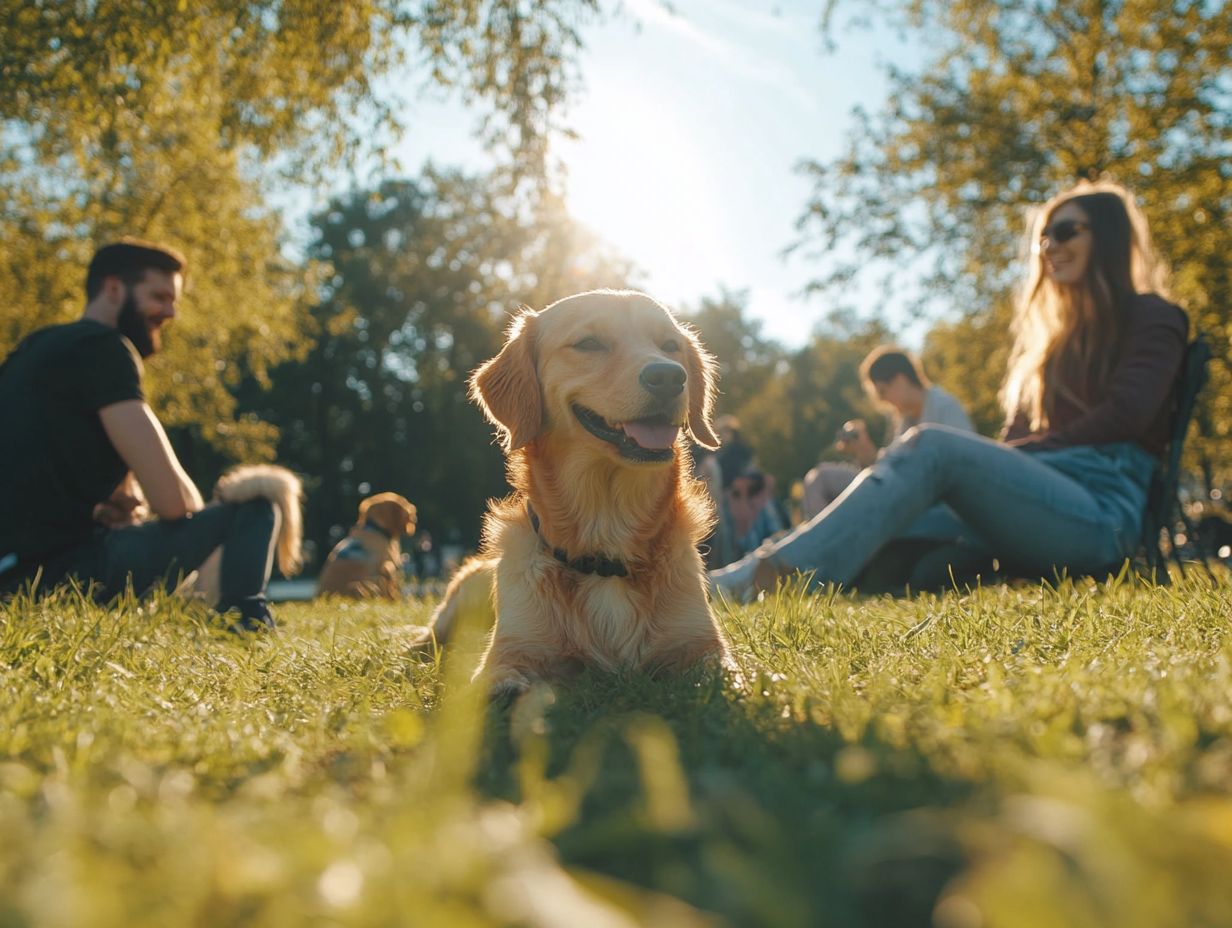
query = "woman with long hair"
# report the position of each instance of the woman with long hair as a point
(1097, 348)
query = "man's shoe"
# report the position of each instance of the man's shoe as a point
(253, 615)
(251, 624)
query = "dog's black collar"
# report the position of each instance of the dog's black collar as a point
(586, 564)
(373, 527)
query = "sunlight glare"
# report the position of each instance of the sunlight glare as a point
(637, 178)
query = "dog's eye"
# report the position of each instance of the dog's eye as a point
(589, 343)
(671, 346)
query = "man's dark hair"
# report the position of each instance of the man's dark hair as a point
(885, 363)
(129, 259)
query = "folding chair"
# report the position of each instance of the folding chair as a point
(1163, 505)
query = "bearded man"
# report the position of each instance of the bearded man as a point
(90, 488)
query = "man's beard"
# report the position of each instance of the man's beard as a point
(134, 326)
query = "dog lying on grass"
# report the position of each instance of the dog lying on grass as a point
(368, 562)
(593, 560)
(247, 482)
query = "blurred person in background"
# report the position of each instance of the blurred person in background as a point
(734, 454)
(896, 381)
(753, 510)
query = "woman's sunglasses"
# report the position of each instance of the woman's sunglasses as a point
(1061, 232)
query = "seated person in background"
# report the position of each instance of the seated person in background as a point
(734, 454)
(87, 455)
(896, 381)
(423, 555)
(719, 469)
(1097, 348)
(706, 469)
(752, 509)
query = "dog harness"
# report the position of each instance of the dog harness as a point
(354, 549)
(351, 550)
(599, 564)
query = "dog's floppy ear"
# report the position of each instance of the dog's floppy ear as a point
(408, 516)
(703, 371)
(390, 511)
(507, 386)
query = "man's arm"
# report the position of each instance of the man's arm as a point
(139, 439)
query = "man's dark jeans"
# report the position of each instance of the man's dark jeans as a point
(158, 554)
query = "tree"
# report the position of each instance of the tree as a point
(175, 121)
(747, 361)
(1017, 100)
(242, 303)
(968, 356)
(792, 421)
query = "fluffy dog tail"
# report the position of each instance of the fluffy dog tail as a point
(283, 489)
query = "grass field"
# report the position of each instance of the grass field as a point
(1010, 757)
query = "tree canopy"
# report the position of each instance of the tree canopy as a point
(1016, 100)
(179, 122)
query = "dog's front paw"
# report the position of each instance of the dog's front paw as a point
(422, 640)
(508, 686)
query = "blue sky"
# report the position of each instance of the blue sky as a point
(691, 123)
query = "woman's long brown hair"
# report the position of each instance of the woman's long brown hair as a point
(1067, 339)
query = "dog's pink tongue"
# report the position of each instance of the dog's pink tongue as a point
(652, 437)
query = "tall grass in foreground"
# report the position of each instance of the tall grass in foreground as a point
(1008, 757)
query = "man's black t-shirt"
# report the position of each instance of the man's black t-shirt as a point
(58, 463)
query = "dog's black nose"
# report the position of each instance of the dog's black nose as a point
(663, 379)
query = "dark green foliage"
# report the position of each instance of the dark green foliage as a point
(181, 122)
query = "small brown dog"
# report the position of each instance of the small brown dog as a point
(367, 563)
(593, 560)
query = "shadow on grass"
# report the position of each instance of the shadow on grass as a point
(720, 798)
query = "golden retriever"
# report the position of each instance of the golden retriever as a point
(247, 482)
(593, 559)
(368, 562)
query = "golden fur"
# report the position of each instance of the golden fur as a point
(593, 351)
(247, 482)
(367, 563)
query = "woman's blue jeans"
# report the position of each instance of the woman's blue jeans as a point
(1077, 509)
